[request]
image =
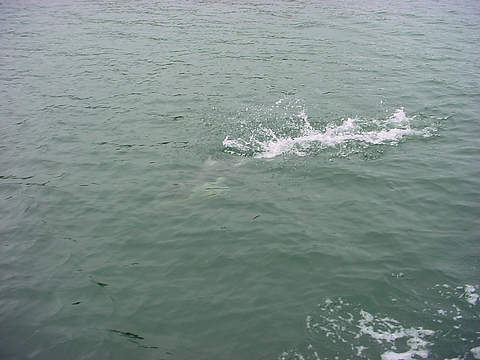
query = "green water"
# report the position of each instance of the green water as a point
(239, 180)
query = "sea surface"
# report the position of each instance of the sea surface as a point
(231, 180)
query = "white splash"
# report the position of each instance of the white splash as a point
(470, 294)
(333, 135)
(264, 142)
(475, 352)
(388, 330)
(342, 326)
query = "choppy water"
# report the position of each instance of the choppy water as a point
(239, 180)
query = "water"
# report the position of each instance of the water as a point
(249, 180)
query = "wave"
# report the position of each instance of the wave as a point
(292, 133)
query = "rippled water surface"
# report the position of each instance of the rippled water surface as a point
(239, 180)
